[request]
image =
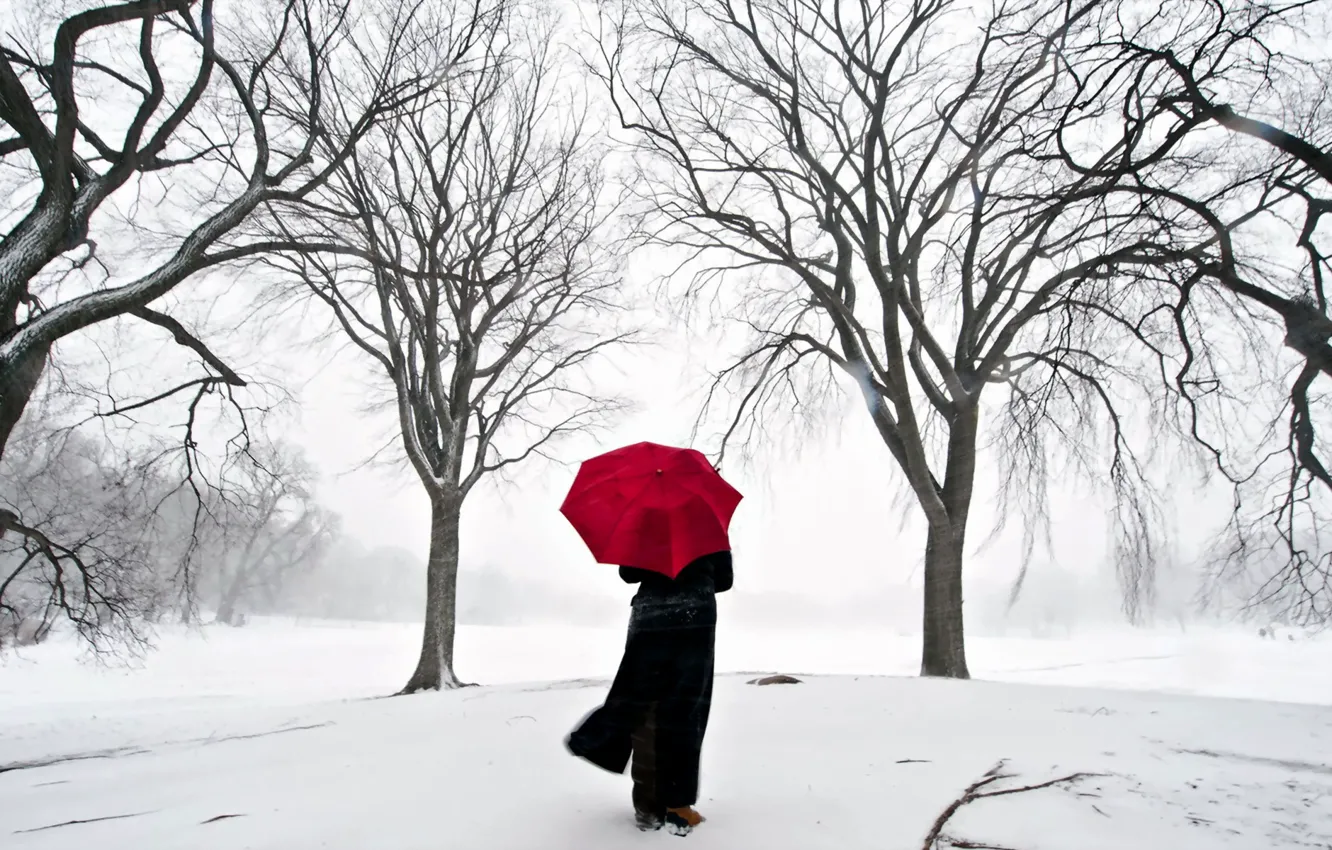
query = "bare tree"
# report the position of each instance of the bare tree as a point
(473, 272)
(138, 138)
(1258, 73)
(882, 194)
(201, 99)
(270, 527)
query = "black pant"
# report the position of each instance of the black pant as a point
(669, 657)
(647, 794)
(659, 703)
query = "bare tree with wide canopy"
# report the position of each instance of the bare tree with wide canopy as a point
(471, 268)
(137, 138)
(884, 190)
(158, 104)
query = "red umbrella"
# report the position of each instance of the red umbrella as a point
(651, 506)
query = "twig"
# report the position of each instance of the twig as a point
(86, 820)
(975, 791)
(219, 818)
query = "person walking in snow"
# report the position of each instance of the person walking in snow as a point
(657, 708)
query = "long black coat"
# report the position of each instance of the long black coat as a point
(664, 684)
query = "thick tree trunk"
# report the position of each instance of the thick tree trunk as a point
(434, 670)
(43, 234)
(943, 648)
(18, 381)
(226, 605)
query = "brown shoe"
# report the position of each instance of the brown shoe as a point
(681, 821)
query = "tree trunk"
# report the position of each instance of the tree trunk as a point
(434, 670)
(226, 605)
(18, 380)
(943, 647)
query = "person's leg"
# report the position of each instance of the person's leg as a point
(648, 809)
(683, 725)
(678, 767)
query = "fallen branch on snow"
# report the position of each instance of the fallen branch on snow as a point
(83, 821)
(137, 751)
(48, 762)
(977, 791)
(219, 818)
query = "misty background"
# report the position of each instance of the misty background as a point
(826, 536)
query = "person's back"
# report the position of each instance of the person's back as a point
(703, 577)
(688, 600)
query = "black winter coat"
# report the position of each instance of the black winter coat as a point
(664, 683)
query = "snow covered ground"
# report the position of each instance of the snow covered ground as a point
(272, 736)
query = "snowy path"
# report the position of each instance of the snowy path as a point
(838, 762)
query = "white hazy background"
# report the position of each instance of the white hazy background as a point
(826, 536)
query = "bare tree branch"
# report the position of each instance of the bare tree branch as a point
(1215, 63)
(218, 133)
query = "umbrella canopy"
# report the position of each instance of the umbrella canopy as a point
(651, 506)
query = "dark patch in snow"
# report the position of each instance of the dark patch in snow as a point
(54, 760)
(912, 761)
(1288, 764)
(87, 820)
(1088, 663)
(568, 685)
(218, 818)
(136, 751)
(538, 688)
(207, 741)
(1099, 712)
(780, 679)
